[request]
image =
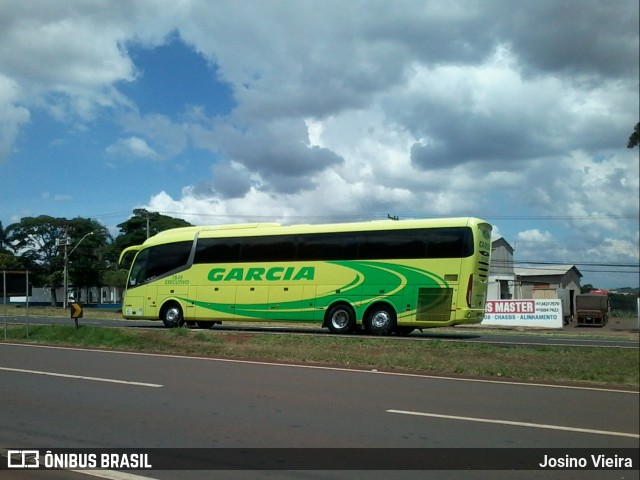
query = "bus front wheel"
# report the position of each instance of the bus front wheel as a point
(341, 318)
(380, 320)
(172, 315)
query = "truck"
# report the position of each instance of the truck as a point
(592, 309)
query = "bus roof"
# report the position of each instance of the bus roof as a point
(256, 229)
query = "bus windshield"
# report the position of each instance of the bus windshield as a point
(158, 261)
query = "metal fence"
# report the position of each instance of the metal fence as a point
(14, 283)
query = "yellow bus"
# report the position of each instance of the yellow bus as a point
(384, 276)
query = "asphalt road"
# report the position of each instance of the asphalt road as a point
(67, 398)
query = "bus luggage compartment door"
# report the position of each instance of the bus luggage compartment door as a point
(286, 303)
(216, 303)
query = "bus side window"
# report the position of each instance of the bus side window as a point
(217, 250)
(274, 248)
(165, 258)
(327, 246)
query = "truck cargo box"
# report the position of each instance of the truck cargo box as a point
(592, 309)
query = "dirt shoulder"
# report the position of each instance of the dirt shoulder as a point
(615, 325)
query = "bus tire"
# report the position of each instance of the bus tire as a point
(380, 320)
(340, 318)
(171, 315)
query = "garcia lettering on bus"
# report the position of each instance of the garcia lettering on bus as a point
(259, 274)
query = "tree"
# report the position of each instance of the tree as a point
(3, 239)
(40, 242)
(134, 231)
(88, 259)
(633, 139)
(586, 288)
(8, 261)
(115, 278)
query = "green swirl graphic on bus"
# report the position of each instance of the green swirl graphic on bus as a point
(396, 278)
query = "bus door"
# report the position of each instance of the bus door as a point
(150, 297)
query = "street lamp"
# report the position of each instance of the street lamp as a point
(66, 267)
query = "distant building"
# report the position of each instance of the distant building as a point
(549, 277)
(507, 282)
(502, 277)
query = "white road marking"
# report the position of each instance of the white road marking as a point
(517, 424)
(112, 474)
(81, 377)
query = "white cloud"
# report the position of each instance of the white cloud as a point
(617, 248)
(132, 147)
(169, 138)
(13, 116)
(57, 197)
(64, 60)
(534, 235)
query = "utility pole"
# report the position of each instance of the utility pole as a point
(139, 212)
(65, 279)
(64, 271)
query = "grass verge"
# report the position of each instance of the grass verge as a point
(602, 366)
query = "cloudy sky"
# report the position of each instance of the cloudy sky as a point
(305, 111)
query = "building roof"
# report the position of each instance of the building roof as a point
(545, 270)
(501, 241)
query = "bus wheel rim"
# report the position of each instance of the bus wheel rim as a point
(340, 319)
(380, 320)
(173, 315)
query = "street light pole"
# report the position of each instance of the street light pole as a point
(64, 275)
(66, 267)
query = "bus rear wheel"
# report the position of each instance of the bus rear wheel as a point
(171, 315)
(341, 318)
(380, 320)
